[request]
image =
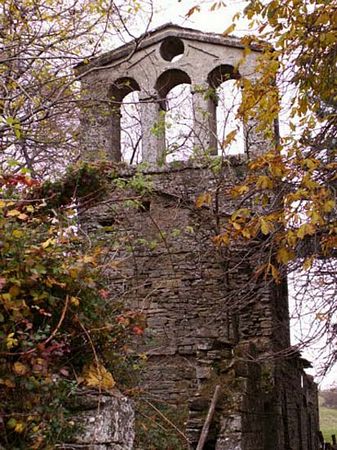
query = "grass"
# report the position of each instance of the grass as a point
(328, 422)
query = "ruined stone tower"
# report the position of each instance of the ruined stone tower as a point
(209, 321)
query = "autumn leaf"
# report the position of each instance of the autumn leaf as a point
(229, 30)
(11, 341)
(306, 229)
(239, 190)
(13, 213)
(266, 226)
(275, 273)
(285, 255)
(203, 199)
(264, 182)
(138, 330)
(7, 382)
(192, 10)
(97, 376)
(2, 282)
(19, 368)
(74, 301)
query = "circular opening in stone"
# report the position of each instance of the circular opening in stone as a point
(172, 49)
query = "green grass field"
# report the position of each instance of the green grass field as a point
(328, 422)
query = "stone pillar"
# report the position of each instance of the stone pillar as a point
(204, 111)
(257, 141)
(153, 129)
(100, 125)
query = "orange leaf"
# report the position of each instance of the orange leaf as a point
(203, 199)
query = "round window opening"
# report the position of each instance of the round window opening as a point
(172, 49)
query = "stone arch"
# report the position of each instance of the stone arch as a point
(175, 97)
(168, 80)
(119, 89)
(226, 99)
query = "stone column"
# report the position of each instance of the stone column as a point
(100, 124)
(257, 141)
(204, 111)
(153, 128)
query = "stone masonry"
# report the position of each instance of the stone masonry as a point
(209, 320)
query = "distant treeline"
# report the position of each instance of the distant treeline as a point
(329, 398)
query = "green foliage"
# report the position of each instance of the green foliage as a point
(56, 320)
(86, 183)
(158, 426)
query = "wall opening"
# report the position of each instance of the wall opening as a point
(125, 120)
(174, 90)
(179, 123)
(131, 129)
(172, 49)
(227, 96)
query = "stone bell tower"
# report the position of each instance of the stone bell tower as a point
(209, 321)
(153, 65)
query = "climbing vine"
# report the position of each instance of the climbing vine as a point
(58, 329)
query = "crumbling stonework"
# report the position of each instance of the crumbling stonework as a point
(103, 421)
(209, 320)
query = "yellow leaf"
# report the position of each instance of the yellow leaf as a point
(229, 30)
(20, 369)
(266, 226)
(246, 233)
(242, 212)
(239, 190)
(14, 291)
(222, 239)
(97, 376)
(74, 301)
(315, 217)
(284, 255)
(22, 216)
(329, 206)
(7, 382)
(17, 233)
(47, 243)
(30, 208)
(264, 182)
(88, 259)
(2, 204)
(308, 263)
(275, 273)
(306, 229)
(11, 341)
(19, 427)
(73, 272)
(13, 213)
(236, 226)
(203, 199)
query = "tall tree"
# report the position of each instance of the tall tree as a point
(40, 44)
(299, 61)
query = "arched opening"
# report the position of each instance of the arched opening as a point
(131, 129)
(125, 120)
(172, 49)
(174, 90)
(227, 98)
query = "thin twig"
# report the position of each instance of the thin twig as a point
(167, 420)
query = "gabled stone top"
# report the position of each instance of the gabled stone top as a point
(157, 35)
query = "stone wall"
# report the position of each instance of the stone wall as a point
(209, 321)
(103, 421)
